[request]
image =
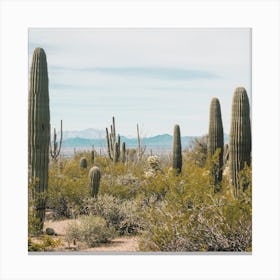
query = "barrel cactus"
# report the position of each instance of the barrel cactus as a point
(94, 180)
(39, 128)
(177, 150)
(83, 163)
(240, 136)
(216, 142)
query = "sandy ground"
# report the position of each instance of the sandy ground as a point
(119, 244)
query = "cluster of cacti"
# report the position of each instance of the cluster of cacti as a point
(177, 150)
(113, 143)
(83, 163)
(39, 126)
(216, 142)
(55, 151)
(94, 180)
(240, 136)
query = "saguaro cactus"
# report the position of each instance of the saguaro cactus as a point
(240, 136)
(216, 142)
(177, 150)
(94, 180)
(55, 151)
(39, 127)
(123, 153)
(92, 155)
(116, 154)
(113, 143)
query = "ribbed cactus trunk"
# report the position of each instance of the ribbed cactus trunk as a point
(123, 153)
(94, 180)
(39, 128)
(92, 155)
(240, 136)
(216, 143)
(177, 150)
(116, 155)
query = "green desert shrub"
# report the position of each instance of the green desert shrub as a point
(91, 230)
(47, 243)
(123, 186)
(197, 151)
(66, 192)
(122, 215)
(193, 218)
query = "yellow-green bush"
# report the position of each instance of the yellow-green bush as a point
(191, 217)
(67, 190)
(46, 244)
(120, 214)
(91, 230)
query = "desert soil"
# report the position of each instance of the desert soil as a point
(119, 244)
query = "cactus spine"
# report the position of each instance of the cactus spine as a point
(39, 127)
(177, 150)
(216, 142)
(83, 163)
(94, 180)
(240, 136)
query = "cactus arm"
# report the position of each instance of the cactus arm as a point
(108, 144)
(114, 129)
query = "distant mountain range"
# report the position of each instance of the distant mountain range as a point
(88, 137)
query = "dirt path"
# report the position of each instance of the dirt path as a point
(119, 244)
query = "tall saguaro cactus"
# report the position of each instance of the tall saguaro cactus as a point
(39, 127)
(216, 142)
(177, 150)
(240, 135)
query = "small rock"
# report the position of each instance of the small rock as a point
(50, 231)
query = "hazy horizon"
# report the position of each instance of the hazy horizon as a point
(153, 77)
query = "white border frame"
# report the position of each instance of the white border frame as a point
(18, 16)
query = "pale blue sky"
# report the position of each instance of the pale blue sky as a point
(154, 77)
